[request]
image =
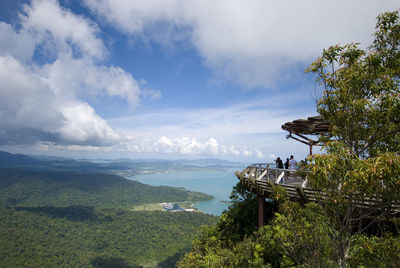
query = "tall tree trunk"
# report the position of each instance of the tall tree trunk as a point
(345, 236)
(344, 251)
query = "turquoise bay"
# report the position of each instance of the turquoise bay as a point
(216, 183)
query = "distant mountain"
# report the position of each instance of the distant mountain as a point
(8, 159)
(50, 157)
(123, 166)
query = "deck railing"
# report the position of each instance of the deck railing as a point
(268, 172)
(260, 178)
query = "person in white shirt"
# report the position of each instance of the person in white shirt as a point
(292, 163)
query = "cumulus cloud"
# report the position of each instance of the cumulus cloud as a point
(58, 28)
(42, 103)
(187, 146)
(31, 111)
(19, 45)
(82, 126)
(259, 154)
(254, 43)
(74, 77)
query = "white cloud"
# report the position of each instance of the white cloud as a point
(18, 45)
(231, 150)
(175, 147)
(82, 125)
(70, 76)
(23, 97)
(58, 28)
(43, 103)
(30, 111)
(247, 152)
(186, 146)
(49, 146)
(255, 42)
(259, 154)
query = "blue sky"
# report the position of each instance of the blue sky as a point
(166, 79)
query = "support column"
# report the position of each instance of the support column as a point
(261, 211)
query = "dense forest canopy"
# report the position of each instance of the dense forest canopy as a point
(81, 236)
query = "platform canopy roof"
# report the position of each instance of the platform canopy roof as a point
(315, 125)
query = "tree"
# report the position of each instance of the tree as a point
(230, 242)
(361, 98)
(304, 235)
(356, 193)
(358, 179)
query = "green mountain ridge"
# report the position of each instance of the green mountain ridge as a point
(60, 188)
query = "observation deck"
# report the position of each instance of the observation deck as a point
(261, 178)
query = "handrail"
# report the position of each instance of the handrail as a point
(278, 180)
(265, 188)
(262, 164)
(304, 184)
(268, 172)
(262, 174)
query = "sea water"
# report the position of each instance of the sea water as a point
(216, 183)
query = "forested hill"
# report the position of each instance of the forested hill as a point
(79, 236)
(21, 187)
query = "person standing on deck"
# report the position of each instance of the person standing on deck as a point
(287, 163)
(279, 163)
(292, 163)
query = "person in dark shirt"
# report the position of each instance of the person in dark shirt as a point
(287, 163)
(279, 163)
